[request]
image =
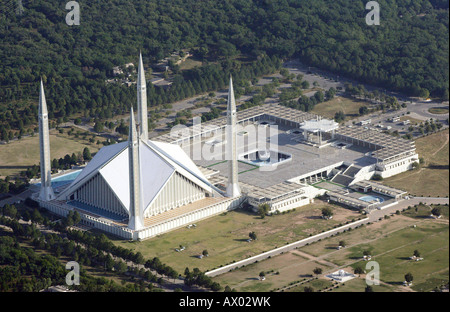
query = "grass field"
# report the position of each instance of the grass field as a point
(349, 106)
(414, 121)
(393, 252)
(424, 211)
(190, 63)
(432, 178)
(225, 236)
(364, 234)
(279, 271)
(17, 155)
(391, 242)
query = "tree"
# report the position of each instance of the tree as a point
(252, 235)
(424, 93)
(205, 253)
(76, 217)
(339, 116)
(363, 110)
(416, 253)
(359, 270)
(308, 289)
(409, 278)
(87, 154)
(215, 286)
(305, 84)
(317, 271)
(377, 177)
(284, 72)
(436, 211)
(138, 258)
(330, 94)
(263, 209)
(120, 267)
(98, 127)
(368, 288)
(36, 216)
(319, 96)
(342, 243)
(327, 212)
(262, 275)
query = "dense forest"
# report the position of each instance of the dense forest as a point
(407, 52)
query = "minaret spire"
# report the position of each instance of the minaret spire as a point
(46, 192)
(135, 220)
(233, 189)
(142, 101)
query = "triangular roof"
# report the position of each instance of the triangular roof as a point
(158, 162)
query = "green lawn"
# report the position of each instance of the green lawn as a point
(190, 63)
(349, 106)
(391, 242)
(424, 211)
(280, 271)
(225, 236)
(17, 155)
(364, 233)
(392, 252)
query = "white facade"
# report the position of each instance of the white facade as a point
(396, 167)
(145, 232)
(233, 189)
(164, 184)
(155, 185)
(46, 192)
(142, 101)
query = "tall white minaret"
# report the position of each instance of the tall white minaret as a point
(46, 192)
(233, 189)
(142, 101)
(135, 221)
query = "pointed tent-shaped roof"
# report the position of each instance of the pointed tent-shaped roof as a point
(158, 162)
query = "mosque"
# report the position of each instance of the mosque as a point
(140, 188)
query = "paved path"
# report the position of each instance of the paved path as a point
(372, 217)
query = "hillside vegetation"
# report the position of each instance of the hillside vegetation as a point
(408, 51)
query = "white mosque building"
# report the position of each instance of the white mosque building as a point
(139, 188)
